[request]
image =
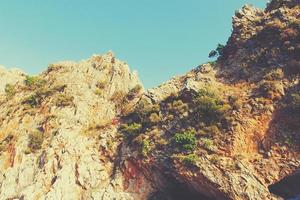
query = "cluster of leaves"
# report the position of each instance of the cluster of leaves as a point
(209, 107)
(177, 107)
(139, 122)
(208, 144)
(146, 113)
(186, 141)
(131, 130)
(190, 160)
(145, 147)
(34, 81)
(217, 52)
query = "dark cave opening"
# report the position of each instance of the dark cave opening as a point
(175, 190)
(288, 187)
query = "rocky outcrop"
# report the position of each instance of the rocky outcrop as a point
(77, 156)
(225, 130)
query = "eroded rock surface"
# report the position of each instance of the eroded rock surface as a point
(225, 130)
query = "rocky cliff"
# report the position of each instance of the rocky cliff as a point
(225, 130)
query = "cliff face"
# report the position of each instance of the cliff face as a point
(53, 144)
(225, 130)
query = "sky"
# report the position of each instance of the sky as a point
(158, 38)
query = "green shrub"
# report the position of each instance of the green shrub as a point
(209, 107)
(217, 52)
(35, 141)
(131, 130)
(186, 140)
(145, 109)
(34, 81)
(145, 147)
(178, 107)
(208, 144)
(10, 90)
(190, 160)
(212, 53)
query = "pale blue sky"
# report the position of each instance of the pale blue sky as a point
(158, 38)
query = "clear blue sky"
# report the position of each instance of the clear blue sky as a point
(158, 38)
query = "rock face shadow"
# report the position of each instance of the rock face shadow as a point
(288, 187)
(175, 190)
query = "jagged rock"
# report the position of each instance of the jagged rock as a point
(69, 164)
(63, 136)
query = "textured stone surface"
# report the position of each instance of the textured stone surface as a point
(69, 165)
(80, 105)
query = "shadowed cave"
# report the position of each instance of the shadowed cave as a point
(175, 190)
(287, 188)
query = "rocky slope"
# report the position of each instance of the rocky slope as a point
(225, 130)
(53, 144)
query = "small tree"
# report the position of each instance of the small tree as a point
(217, 52)
(131, 130)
